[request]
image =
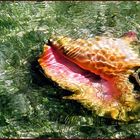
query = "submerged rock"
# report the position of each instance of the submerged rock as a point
(97, 71)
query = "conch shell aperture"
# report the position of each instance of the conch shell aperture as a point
(75, 64)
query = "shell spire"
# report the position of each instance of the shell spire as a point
(130, 36)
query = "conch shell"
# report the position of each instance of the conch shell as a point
(97, 71)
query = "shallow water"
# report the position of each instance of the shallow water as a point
(30, 104)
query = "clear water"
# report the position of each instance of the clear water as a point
(31, 105)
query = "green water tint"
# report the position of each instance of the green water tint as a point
(30, 104)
